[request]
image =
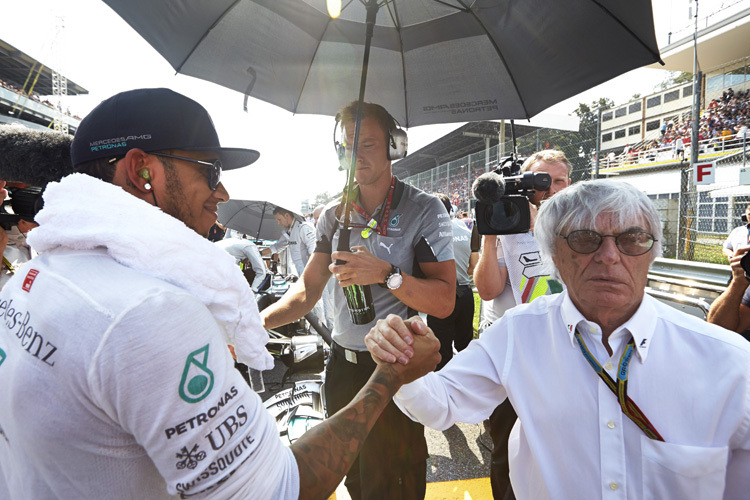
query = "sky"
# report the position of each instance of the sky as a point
(96, 49)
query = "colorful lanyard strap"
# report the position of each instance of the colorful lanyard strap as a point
(372, 224)
(620, 388)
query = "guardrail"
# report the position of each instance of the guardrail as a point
(700, 272)
(688, 286)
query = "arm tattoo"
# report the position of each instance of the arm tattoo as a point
(326, 452)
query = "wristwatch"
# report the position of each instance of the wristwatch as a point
(393, 279)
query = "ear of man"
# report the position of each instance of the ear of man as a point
(135, 173)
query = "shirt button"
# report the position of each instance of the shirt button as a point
(592, 329)
(613, 486)
(611, 424)
(608, 366)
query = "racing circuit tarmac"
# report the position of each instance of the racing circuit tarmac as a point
(458, 465)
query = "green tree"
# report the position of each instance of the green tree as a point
(580, 146)
(324, 199)
(674, 78)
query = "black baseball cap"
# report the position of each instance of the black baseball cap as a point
(151, 120)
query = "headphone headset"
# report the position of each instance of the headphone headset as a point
(398, 142)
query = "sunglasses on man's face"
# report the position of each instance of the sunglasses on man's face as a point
(214, 168)
(631, 243)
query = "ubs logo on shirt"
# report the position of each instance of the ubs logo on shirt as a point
(190, 458)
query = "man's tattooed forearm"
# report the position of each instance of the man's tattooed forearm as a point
(326, 452)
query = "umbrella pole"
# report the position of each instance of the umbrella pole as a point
(358, 297)
(262, 214)
(372, 13)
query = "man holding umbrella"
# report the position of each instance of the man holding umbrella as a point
(403, 248)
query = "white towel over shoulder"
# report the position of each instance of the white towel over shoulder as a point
(81, 212)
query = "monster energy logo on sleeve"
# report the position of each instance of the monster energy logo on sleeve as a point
(197, 380)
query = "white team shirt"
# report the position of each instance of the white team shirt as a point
(119, 385)
(245, 249)
(300, 239)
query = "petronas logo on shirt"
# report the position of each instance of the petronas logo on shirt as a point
(197, 380)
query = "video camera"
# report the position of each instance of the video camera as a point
(23, 202)
(503, 197)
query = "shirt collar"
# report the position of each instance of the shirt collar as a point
(641, 325)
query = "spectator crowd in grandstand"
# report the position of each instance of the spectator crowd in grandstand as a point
(34, 97)
(723, 124)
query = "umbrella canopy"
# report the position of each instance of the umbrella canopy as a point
(251, 217)
(431, 61)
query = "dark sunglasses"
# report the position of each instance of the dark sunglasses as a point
(214, 168)
(631, 243)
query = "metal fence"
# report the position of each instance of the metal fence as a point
(696, 218)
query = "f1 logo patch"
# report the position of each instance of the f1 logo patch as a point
(29, 280)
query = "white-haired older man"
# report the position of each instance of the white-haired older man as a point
(618, 395)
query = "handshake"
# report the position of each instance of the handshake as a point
(407, 347)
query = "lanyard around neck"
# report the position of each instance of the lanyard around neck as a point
(620, 388)
(372, 224)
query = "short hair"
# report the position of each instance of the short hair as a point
(369, 110)
(100, 168)
(446, 201)
(578, 206)
(550, 156)
(282, 211)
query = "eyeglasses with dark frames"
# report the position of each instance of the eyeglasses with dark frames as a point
(631, 243)
(214, 168)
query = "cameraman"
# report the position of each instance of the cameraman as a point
(739, 237)
(510, 272)
(16, 252)
(731, 309)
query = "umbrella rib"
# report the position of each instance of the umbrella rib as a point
(627, 29)
(218, 20)
(309, 66)
(465, 9)
(499, 54)
(236, 214)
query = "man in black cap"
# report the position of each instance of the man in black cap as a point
(116, 375)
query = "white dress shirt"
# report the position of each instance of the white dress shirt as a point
(242, 249)
(572, 441)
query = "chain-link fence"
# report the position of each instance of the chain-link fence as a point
(647, 143)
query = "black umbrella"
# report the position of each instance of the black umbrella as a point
(251, 217)
(425, 61)
(431, 61)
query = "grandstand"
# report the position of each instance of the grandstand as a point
(29, 91)
(646, 142)
(450, 164)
